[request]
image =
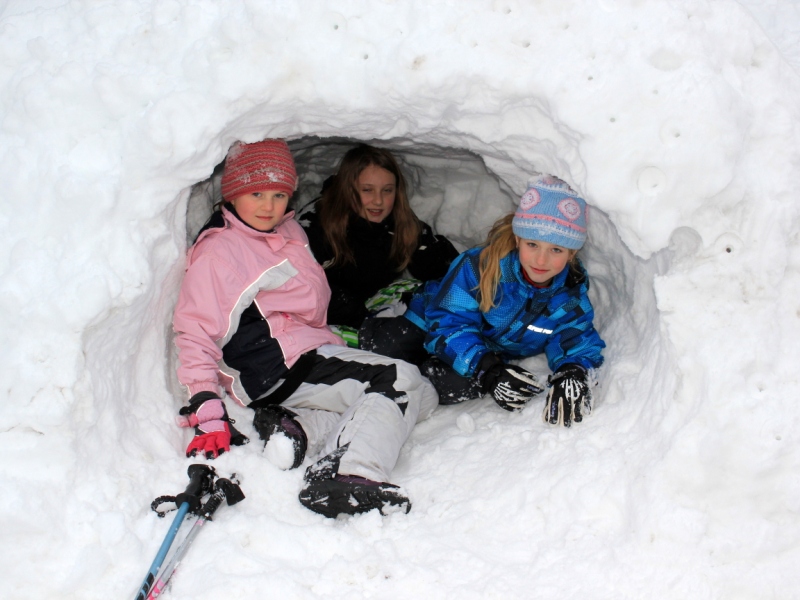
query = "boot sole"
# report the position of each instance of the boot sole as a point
(332, 498)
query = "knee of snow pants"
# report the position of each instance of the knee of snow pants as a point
(378, 401)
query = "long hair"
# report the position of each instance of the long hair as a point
(341, 201)
(500, 241)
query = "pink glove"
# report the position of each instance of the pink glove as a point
(203, 407)
(213, 430)
(210, 439)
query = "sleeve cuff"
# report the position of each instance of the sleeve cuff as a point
(204, 386)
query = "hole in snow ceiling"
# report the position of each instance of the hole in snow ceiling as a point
(449, 188)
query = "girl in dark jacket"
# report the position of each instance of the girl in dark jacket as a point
(523, 293)
(365, 234)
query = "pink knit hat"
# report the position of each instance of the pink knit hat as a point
(265, 165)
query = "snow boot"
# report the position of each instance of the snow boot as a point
(285, 442)
(351, 495)
(330, 494)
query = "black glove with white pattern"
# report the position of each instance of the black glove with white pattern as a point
(570, 397)
(512, 387)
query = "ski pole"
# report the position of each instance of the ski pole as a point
(224, 488)
(201, 479)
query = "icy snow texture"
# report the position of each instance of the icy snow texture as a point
(280, 451)
(678, 121)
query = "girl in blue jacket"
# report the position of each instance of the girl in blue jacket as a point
(523, 293)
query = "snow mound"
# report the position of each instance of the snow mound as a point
(677, 121)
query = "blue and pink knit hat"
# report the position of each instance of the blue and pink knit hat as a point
(550, 211)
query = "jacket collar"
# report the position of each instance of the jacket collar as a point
(359, 224)
(273, 237)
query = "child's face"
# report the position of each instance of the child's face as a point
(262, 210)
(377, 188)
(542, 261)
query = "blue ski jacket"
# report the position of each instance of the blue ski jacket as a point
(525, 321)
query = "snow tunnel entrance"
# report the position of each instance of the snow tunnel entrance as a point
(455, 191)
(451, 189)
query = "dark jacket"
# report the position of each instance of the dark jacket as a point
(354, 283)
(526, 320)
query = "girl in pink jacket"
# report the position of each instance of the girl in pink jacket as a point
(250, 324)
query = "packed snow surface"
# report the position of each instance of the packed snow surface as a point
(678, 122)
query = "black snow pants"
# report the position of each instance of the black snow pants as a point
(397, 337)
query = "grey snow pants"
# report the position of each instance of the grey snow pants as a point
(367, 402)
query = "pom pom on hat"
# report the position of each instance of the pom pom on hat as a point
(265, 165)
(550, 211)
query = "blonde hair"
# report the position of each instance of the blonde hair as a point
(500, 241)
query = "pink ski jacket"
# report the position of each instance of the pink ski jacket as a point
(227, 270)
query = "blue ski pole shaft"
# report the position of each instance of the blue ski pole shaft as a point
(150, 578)
(225, 489)
(177, 557)
(201, 479)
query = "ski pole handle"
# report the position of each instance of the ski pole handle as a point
(201, 482)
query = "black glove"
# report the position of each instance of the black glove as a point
(512, 387)
(570, 396)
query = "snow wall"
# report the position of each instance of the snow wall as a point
(677, 121)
